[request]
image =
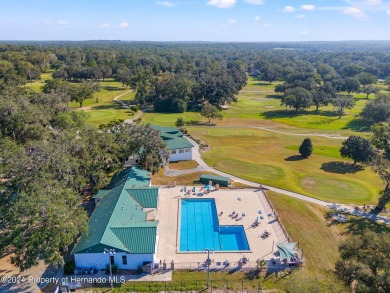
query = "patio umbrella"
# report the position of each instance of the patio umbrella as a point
(287, 249)
(257, 219)
(207, 187)
(193, 189)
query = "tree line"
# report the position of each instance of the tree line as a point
(48, 155)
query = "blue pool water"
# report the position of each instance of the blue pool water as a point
(199, 228)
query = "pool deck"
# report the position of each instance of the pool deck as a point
(226, 201)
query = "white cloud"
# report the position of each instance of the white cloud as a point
(255, 2)
(267, 24)
(257, 18)
(62, 22)
(309, 7)
(300, 16)
(304, 33)
(166, 3)
(222, 3)
(47, 21)
(289, 9)
(372, 2)
(104, 25)
(388, 11)
(231, 21)
(355, 12)
(123, 25)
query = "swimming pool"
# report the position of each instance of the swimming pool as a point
(199, 228)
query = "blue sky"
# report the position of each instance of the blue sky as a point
(195, 20)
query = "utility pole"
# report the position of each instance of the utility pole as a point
(110, 253)
(208, 262)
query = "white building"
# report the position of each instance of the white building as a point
(124, 220)
(178, 147)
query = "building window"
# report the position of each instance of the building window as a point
(173, 152)
(124, 259)
(188, 150)
(181, 151)
(112, 260)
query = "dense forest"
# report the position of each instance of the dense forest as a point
(49, 154)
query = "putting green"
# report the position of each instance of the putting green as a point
(328, 188)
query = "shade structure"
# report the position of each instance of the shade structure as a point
(207, 187)
(287, 249)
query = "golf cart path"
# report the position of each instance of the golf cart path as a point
(124, 105)
(205, 168)
(284, 132)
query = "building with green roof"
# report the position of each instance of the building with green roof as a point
(124, 220)
(180, 149)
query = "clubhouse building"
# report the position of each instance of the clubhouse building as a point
(179, 148)
(124, 220)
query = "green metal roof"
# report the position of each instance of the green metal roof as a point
(133, 177)
(137, 240)
(146, 197)
(118, 209)
(173, 137)
(213, 177)
(101, 193)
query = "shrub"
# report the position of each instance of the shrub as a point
(306, 148)
(134, 108)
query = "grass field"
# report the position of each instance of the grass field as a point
(272, 158)
(103, 108)
(186, 179)
(183, 165)
(259, 105)
(37, 85)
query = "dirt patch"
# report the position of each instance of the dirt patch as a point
(84, 108)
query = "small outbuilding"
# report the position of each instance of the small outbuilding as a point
(222, 181)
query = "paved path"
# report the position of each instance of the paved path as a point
(204, 167)
(284, 132)
(124, 105)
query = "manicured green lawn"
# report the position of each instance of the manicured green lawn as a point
(272, 158)
(259, 105)
(103, 108)
(36, 86)
(183, 165)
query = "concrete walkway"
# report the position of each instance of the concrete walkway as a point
(203, 167)
(125, 106)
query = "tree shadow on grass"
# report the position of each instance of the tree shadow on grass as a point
(294, 158)
(262, 83)
(358, 124)
(277, 97)
(341, 167)
(292, 113)
(111, 88)
(114, 106)
(356, 225)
